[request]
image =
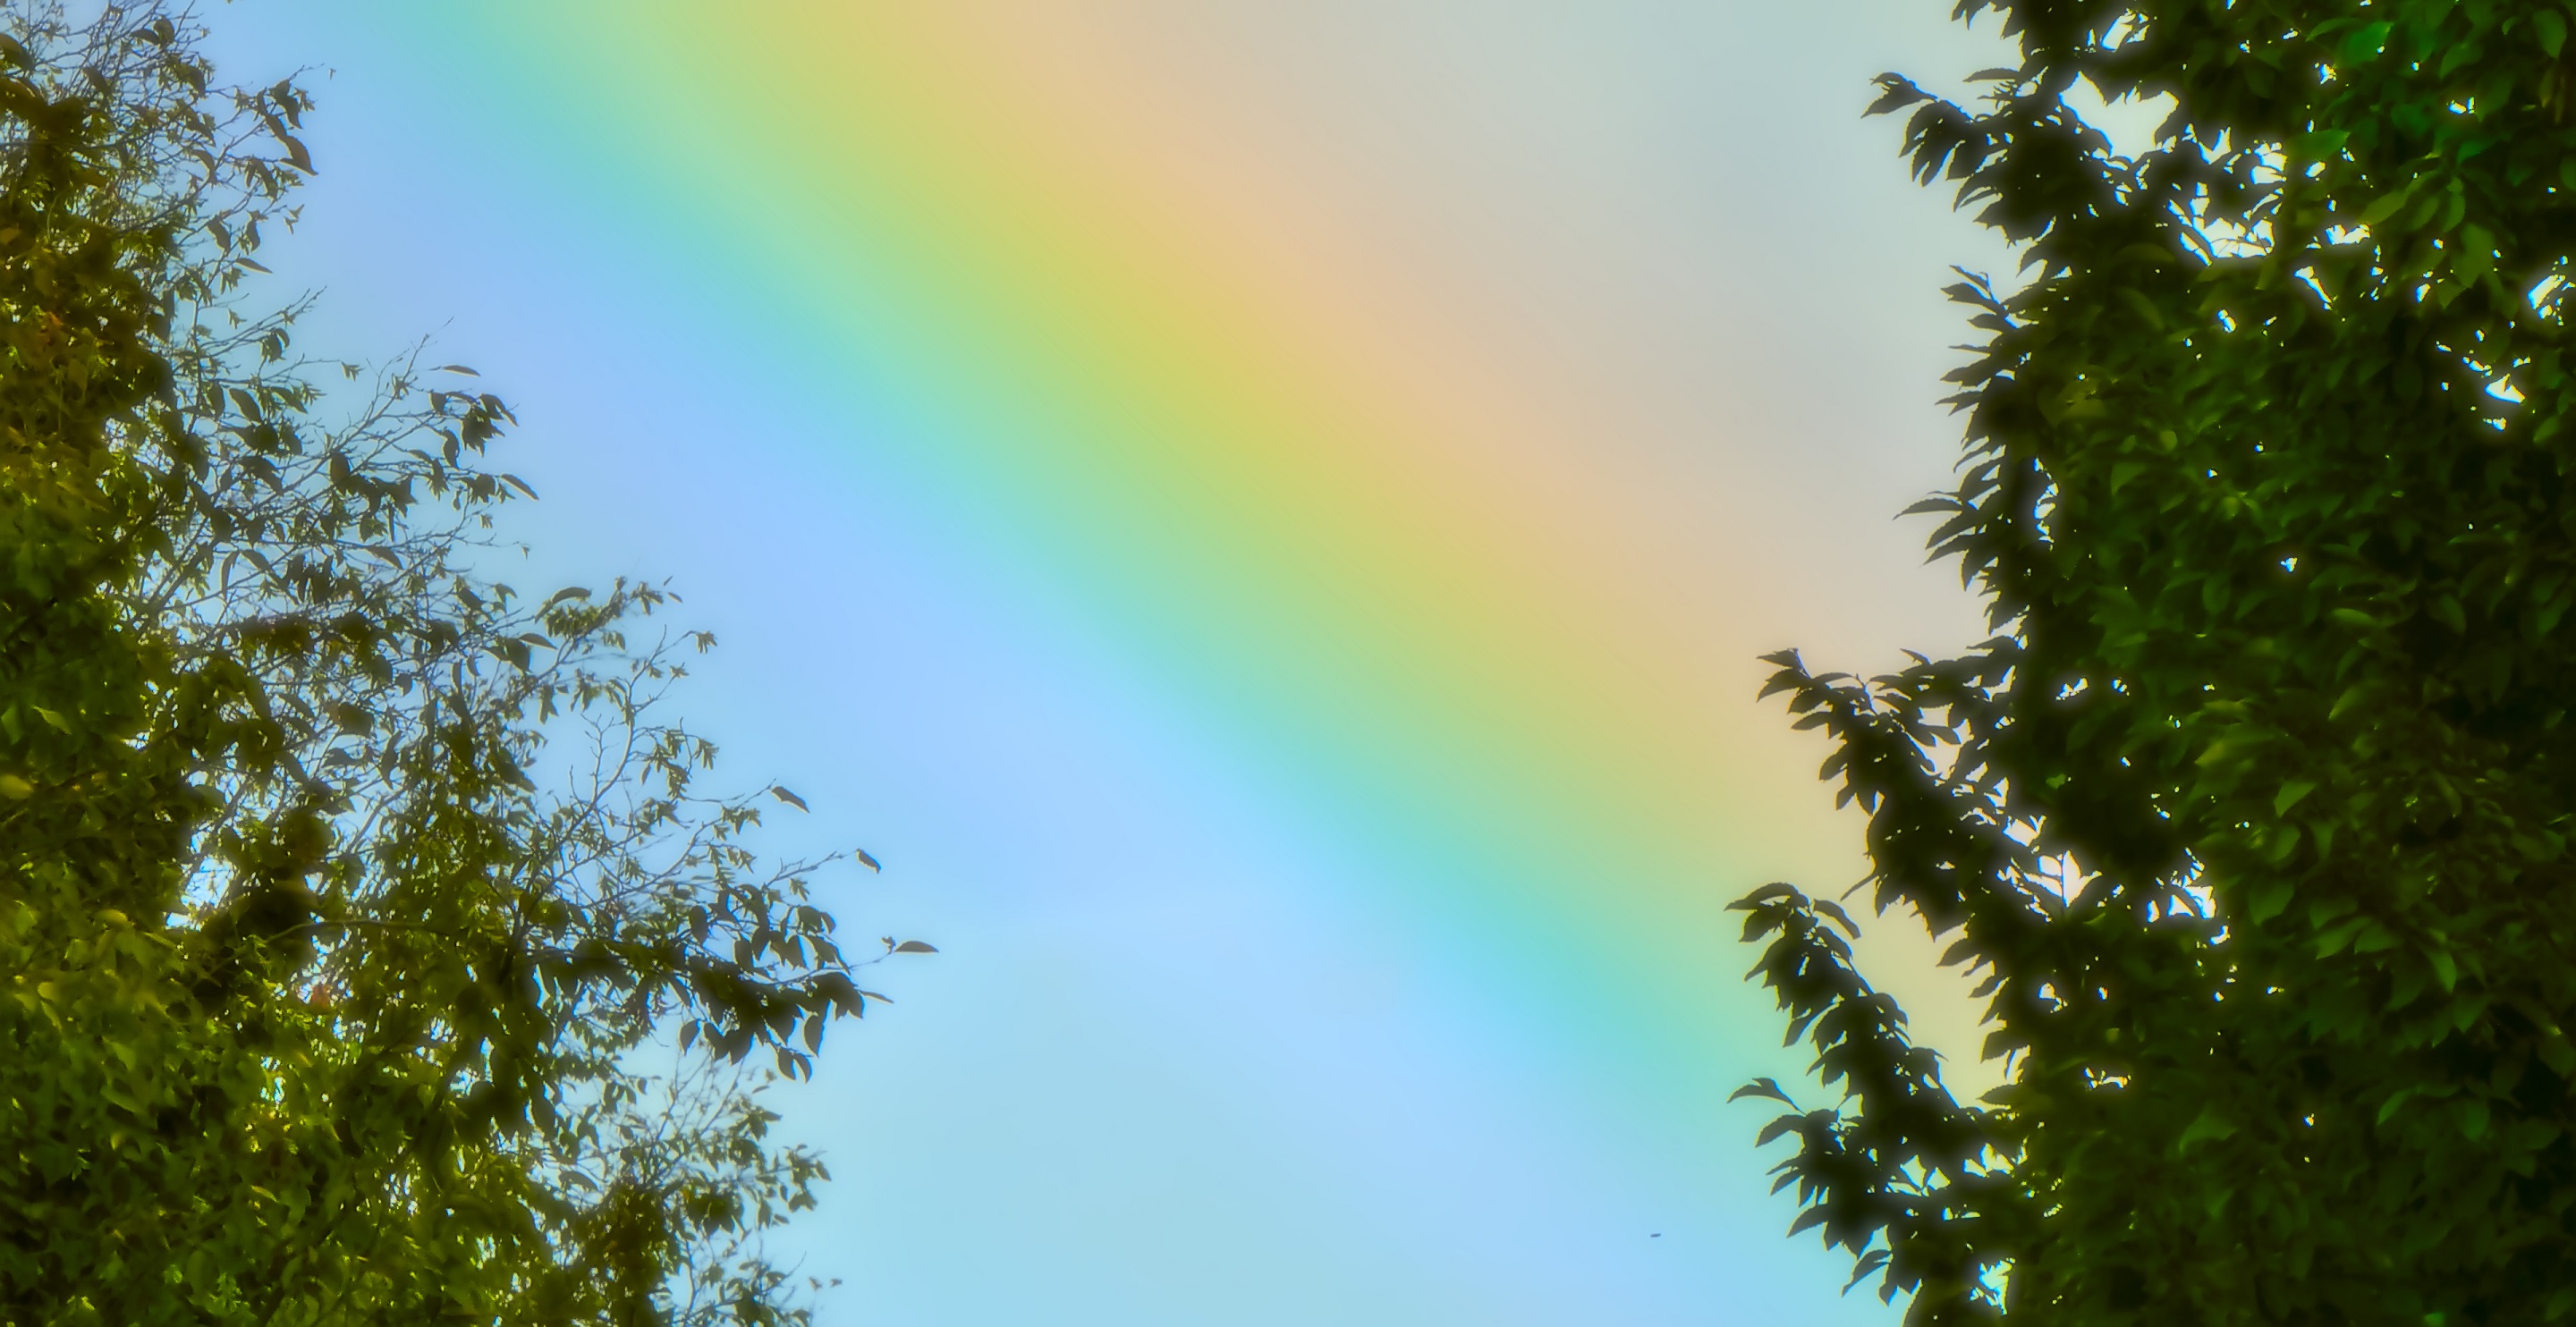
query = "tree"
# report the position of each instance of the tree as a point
(2254, 812)
(348, 898)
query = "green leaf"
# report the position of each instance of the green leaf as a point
(1762, 1087)
(2387, 205)
(2366, 42)
(2334, 940)
(2208, 1126)
(2551, 29)
(2318, 145)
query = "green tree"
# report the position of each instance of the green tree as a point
(350, 901)
(2254, 812)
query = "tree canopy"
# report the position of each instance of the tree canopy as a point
(374, 949)
(2254, 812)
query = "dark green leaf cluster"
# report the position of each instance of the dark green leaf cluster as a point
(2254, 813)
(349, 900)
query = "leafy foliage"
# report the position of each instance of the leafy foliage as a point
(2255, 811)
(346, 895)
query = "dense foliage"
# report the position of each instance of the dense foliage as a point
(350, 901)
(2255, 811)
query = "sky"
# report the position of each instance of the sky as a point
(1262, 516)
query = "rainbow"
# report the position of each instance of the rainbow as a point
(1469, 662)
